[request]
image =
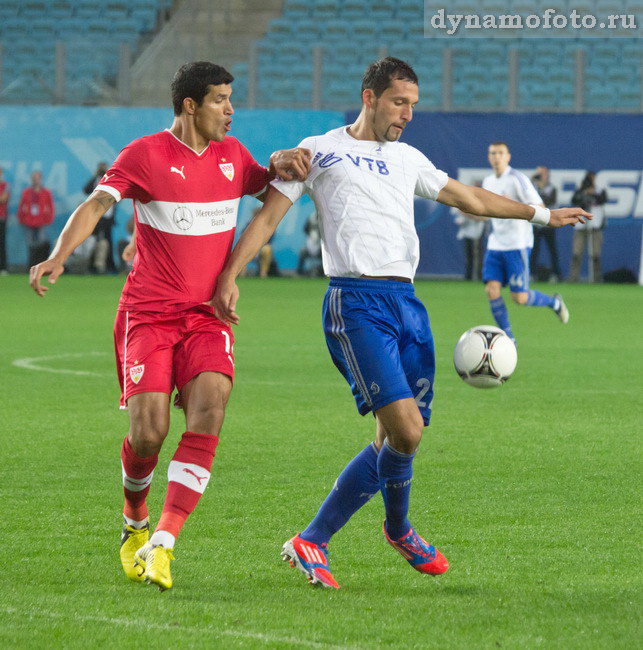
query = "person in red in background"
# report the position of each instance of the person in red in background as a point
(36, 210)
(5, 192)
(186, 183)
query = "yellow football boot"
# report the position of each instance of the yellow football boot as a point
(155, 562)
(131, 540)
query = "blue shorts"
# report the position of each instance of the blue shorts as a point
(379, 337)
(508, 267)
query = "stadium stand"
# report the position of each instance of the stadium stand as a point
(351, 33)
(92, 34)
(273, 49)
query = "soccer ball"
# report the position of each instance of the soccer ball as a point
(485, 357)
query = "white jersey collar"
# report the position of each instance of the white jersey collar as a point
(188, 147)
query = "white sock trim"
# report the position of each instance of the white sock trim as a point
(136, 484)
(192, 476)
(163, 538)
(136, 524)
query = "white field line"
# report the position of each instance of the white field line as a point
(138, 624)
(34, 363)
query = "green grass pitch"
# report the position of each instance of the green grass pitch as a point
(530, 490)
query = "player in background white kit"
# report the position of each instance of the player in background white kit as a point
(363, 181)
(509, 245)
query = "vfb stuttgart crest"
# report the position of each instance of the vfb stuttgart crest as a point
(227, 169)
(136, 372)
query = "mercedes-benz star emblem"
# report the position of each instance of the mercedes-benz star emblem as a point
(183, 218)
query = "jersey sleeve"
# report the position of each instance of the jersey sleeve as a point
(128, 176)
(430, 180)
(526, 190)
(255, 176)
(294, 190)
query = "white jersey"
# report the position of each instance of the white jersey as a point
(363, 191)
(511, 234)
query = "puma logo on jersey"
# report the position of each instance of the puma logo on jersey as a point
(106, 177)
(178, 171)
(198, 478)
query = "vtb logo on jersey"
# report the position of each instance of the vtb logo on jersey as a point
(228, 169)
(136, 373)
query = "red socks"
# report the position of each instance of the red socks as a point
(188, 476)
(137, 477)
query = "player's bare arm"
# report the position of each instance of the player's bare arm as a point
(130, 250)
(481, 202)
(259, 231)
(80, 225)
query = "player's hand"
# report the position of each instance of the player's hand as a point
(52, 268)
(567, 217)
(225, 300)
(291, 164)
(129, 252)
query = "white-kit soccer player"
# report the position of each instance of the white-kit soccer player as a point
(186, 183)
(363, 181)
(506, 261)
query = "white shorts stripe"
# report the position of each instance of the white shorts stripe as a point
(192, 476)
(125, 359)
(525, 264)
(339, 331)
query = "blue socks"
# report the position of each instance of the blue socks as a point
(356, 485)
(499, 311)
(395, 471)
(537, 299)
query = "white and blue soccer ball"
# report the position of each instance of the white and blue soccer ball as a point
(485, 357)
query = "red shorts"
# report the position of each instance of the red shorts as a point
(156, 352)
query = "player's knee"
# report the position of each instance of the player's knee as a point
(520, 298)
(147, 435)
(206, 418)
(408, 439)
(493, 291)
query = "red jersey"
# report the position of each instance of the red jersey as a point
(4, 187)
(36, 209)
(186, 205)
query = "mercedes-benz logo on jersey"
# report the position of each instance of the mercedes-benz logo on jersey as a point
(183, 217)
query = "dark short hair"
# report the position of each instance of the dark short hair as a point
(192, 80)
(500, 143)
(381, 73)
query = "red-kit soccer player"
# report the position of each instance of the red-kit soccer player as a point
(186, 183)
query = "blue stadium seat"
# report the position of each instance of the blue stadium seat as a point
(381, 9)
(409, 11)
(364, 29)
(296, 9)
(71, 28)
(145, 19)
(355, 9)
(309, 30)
(334, 29)
(632, 50)
(124, 31)
(325, 9)
(85, 8)
(282, 27)
(61, 9)
(391, 32)
(406, 51)
(492, 52)
(33, 8)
